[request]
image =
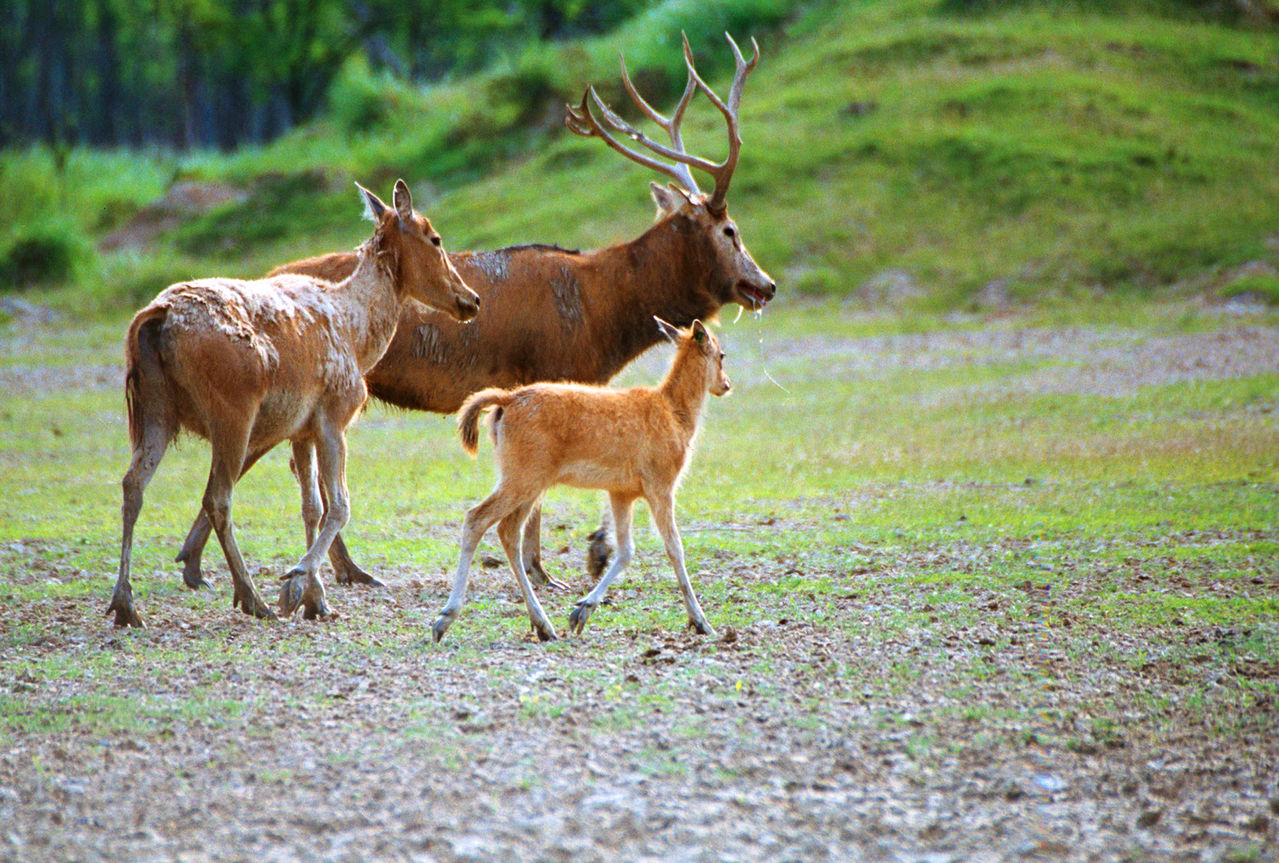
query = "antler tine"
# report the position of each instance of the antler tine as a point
(743, 69)
(723, 172)
(581, 120)
(671, 125)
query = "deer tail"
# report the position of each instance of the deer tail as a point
(468, 417)
(144, 375)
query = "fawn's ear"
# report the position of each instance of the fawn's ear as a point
(403, 201)
(700, 333)
(671, 332)
(374, 209)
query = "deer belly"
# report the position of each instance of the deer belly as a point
(280, 416)
(594, 474)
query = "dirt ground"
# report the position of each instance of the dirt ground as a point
(781, 738)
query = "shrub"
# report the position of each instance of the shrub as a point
(43, 253)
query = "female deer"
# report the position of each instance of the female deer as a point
(248, 364)
(631, 443)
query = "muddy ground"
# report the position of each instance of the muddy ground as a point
(787, 736)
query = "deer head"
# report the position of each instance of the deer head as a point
(415, 253)
(733, 271)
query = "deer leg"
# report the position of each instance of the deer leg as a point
(509, 531)
(146, 458)
(601, 547)
(228, 461)
(532, 552)
(479, 519)
(345, 570)
(622, 507)
(198, 536)
(302, 466)
(302, 584)
(662, 506)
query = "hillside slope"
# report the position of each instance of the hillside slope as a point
(890, 149)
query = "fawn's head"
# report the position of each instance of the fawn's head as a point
(418, 264)
(701, 343)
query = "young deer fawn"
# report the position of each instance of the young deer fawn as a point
(631, 443)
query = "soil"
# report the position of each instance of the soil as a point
(783, 737)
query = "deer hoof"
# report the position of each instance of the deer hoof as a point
(354, 575)
(598, 554)
(545, 632)
(701, 627)
(125, 614)
(579, 615)
(440, 627)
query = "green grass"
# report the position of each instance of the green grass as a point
(1061, 152)
(881, 503)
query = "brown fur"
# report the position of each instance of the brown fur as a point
(631, 443)
(685, 267)
(675, 271)
(247, 365)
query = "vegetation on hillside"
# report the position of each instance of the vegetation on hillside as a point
(920, 153)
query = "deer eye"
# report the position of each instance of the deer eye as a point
(729, 232)
(435, 241)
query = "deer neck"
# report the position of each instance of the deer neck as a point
(662, 273)
(371, 304)
(684, 387)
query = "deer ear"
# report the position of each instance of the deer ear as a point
(671, 332)
(668, 198)
(403, 201)
(374, 209)
(700, 334)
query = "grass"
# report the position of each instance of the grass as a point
(1056, 153)
(884, 503)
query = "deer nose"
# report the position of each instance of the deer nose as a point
(770, 290)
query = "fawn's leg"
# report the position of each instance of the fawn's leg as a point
(623, 507)
(508, 531)
(662, 506)
(146, 458)
(478, 520)
(532, 551)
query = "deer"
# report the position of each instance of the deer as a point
(554, 314)
(247, 365)
(633, 443)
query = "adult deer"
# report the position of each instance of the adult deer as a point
(249, 364)
(553, 314)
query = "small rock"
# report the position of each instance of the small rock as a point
(488, 561)
(1149, 818)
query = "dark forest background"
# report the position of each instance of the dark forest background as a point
(220, 73)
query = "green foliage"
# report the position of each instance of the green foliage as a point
(1262, 287)
(47, 252)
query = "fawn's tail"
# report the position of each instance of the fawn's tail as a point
(468, 417)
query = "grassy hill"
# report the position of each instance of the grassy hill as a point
(914, 152)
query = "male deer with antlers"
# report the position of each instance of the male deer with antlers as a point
(247, 365)
(551, 314)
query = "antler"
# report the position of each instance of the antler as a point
(582, 121)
